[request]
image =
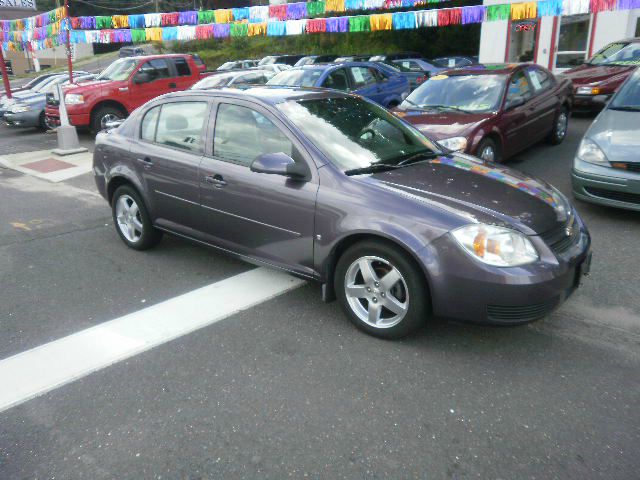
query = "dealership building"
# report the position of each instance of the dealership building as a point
(557, 43)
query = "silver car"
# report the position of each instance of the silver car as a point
(606, 169)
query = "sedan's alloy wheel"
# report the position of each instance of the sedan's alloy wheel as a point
(376, 292)
(129, 218)
(488, 153)
(561, 125)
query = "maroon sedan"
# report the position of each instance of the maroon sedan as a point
(595, 81)
(491, 111)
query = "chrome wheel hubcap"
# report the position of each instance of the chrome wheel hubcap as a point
(488, 153)
(129, 218)
(376, 292)
(561, 127)
(108, 118)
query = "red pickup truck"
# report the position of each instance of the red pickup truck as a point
(123, 86)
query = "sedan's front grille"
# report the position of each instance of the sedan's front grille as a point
(614, 195)
(524, 313)
(562, 238)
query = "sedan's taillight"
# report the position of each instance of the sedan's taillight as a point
(422, 79)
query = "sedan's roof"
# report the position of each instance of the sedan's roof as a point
(263, 93)
(485, 69)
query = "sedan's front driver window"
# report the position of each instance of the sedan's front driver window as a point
(242, 134)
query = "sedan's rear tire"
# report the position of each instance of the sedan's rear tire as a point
(132, 220)
(381, 290)
(560, 126)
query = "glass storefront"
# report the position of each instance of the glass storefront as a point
(572, 41)
(522, 43)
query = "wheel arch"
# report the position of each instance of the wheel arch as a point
(342, 245)
(109, 103)
(117, 181)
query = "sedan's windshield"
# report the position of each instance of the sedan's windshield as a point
(467, 93)
(214, 81)
(628, 97)
(297, 78)
(354, 133)
(617, 54)
(227, 66)
(118, 70)
(268, 60)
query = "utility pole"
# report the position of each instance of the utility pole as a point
(157, 2)
(5, 75)
(68, 23)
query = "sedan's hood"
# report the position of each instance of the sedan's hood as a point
(592, 74)
(481, 191)
(437, 124)
(616, 133)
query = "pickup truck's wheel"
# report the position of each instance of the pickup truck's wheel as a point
(102, 116)
(560, 126)
(132, 220)
(381, 290)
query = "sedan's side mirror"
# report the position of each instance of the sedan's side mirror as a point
(515, 102)
(142, 77)
(279, 164)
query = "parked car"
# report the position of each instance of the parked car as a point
(353, 58)
(313, 59)
(415, 78)
(6, 103)
(454, 62)
(236, 78)
(123, 86)
(331, 187)
(390, 57)
(274, 67)
(492, 112)
(606, 169)
(364, 78)
(237, 64)
(419, 65)
(27, 86)
(288, 59)
(29, 111)
(131, 51)
(597, 80)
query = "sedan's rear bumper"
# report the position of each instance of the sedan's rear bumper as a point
(462, 288)
(23, 119)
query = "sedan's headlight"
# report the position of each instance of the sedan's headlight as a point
(20, 108)
(73, 99)
(457, 144)
(588, 91)
(498, 246)
(589, 151)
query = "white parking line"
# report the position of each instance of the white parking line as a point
(37, 371)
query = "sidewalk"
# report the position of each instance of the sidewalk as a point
(47, 166)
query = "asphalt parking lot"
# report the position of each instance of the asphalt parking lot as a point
(288, 388)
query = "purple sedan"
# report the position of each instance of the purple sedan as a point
(334, 188)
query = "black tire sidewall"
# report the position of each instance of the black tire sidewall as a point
(419, 304)
(96, 117)
(553, 136)
(150, 235)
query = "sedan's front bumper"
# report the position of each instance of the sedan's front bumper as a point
(589, 103)
(607, 186)
(23, 119)
(463, 288)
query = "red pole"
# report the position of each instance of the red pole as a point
(68, 20)
(5, 74)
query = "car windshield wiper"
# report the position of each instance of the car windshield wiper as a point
(374, 167)
(417, 157)
(450, 107)
(627, 108)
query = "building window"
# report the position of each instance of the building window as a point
(522, 43)
(572, 41)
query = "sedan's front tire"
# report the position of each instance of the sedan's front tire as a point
(381, 290)
(132, 220)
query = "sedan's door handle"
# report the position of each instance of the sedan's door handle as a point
(146, 161)
(215, 180)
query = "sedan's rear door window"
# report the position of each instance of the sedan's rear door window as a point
(181, 125)
(242, 134)
(337, 80)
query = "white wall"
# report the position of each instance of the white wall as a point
(610, 26)
(493, 41)
(545, 27)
